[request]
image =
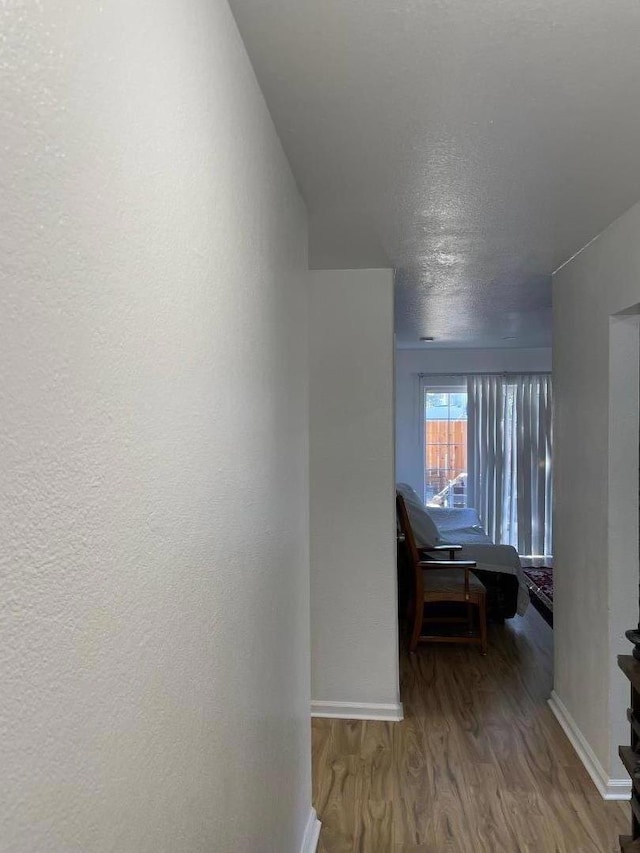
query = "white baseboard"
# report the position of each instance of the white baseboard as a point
(609, 789)
(311, 833)
(356, 711)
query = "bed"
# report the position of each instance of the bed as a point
(498, 566)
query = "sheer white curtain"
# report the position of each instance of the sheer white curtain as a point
(510, 459)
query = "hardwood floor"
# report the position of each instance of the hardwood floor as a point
(479, 763)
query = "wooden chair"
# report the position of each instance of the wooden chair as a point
(442, 582)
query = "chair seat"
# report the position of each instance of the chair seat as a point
(450, 581)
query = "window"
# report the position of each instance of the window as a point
(445, 447)
(487, 444)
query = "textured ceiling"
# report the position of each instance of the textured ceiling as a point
(472, 145)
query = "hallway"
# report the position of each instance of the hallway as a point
(478, 764)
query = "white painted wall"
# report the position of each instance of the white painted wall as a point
(596, 488)
(410, 363)
(354, 654)
(154, 627)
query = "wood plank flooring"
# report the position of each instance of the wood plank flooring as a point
(479, 763)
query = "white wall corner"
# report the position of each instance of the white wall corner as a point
(390, 711)
(609, 789)
(311, 833)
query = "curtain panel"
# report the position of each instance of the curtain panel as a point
(510, 468)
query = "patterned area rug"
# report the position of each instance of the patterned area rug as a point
(540, 583)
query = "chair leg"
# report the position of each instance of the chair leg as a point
(418, 615)
(410, 609)
(482, 607)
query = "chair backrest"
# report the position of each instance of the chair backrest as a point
(410, 545)
(418, 562)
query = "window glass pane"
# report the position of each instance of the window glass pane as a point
(445, 430)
